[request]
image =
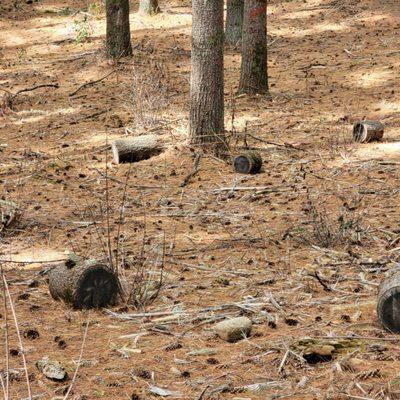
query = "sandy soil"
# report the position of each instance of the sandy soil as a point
(321, 204)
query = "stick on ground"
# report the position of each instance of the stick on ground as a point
(90, 83)
(194, 171)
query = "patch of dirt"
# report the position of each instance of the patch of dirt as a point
(234, 245)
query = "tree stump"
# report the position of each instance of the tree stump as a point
(249, 162)
(388, 307)
(367, 131)
(84, 284)
(134, 149)
(9, 213)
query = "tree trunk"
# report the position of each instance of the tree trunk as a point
(9, 213)
(118, 37)
(84, 284)
(234, 21)
(249, 162)
(388, 307)
(207, 79)
(254, 76)
(149, 7)
(368, 131)
(134, 149)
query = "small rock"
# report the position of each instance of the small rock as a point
(13, 375)
(234, 329)
(175, 371)
(52, 369)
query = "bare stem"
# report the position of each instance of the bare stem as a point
(19, 337)
(108, 211)
(79, 360)
(6, 389)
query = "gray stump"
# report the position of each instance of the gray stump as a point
(86, 284)
(249, 162)
(134, 149)
(9, 213)
(388, 307)
(367, 131)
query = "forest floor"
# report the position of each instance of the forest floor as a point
(299, 248)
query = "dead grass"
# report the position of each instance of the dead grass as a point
(341, 228)
(149, 94)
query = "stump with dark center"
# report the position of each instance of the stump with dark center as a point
(84, 284)
(367, 131)
(134, 149)
(249, 162)
(388, 307)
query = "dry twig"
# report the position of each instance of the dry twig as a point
(194, 171)
(90, 83)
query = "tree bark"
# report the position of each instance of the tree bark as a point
(388, 305)
(118, 36)
(207, 78)
(249, 162)
(134, 149)
(9, 213)
(84, 284)
(234, 21)
(254, 76)
(368, 131)
(149, 7)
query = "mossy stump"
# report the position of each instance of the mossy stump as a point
(84, 284)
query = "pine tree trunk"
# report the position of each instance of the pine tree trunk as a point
(118, 37)
(254, 76)
(207, 79)
(234, 21)
(149, 7)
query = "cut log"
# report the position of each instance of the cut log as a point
(367, 131)
(84, 284)
(388, 307)
(9, 213)
(134, 149)
(249, 162)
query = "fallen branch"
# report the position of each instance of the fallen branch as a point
(9, 96)
(90, 83)
(265, 189)
(194, 171)
(378, 339)
(320, 280)
(283, 362)
(201, 396)
(54, 85)
(286, 145)
(33, 261)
